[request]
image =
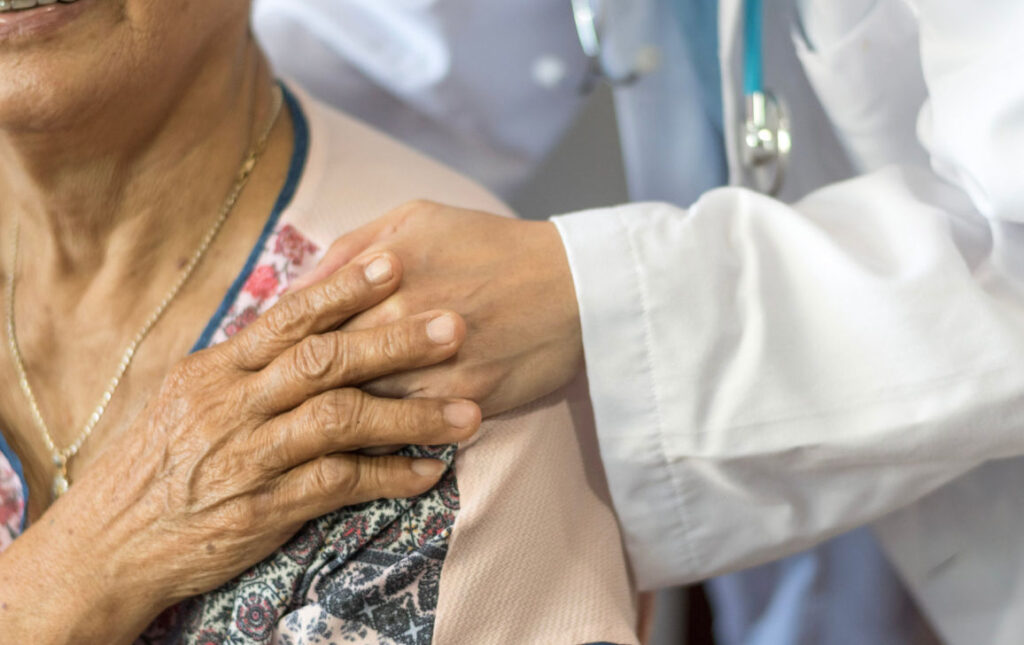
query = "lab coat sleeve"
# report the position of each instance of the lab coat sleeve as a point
(765, 376)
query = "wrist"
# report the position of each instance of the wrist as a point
(53, 592)
(563, 289)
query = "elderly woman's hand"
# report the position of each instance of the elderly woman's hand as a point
(508, 278)
(245, 442)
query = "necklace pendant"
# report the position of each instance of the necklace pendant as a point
(60, 480)
(60, 485)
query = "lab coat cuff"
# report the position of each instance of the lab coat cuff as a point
(616, 337)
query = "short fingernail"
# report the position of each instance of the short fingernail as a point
(441, 330)
(460, 415)
(379, 271)
(428, 467)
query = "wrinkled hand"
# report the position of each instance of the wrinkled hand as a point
(244, 443)
(508, 278)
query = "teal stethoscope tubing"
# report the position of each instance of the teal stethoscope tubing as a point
(766, 140)
(753, 28)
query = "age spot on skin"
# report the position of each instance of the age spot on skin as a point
(210, 548)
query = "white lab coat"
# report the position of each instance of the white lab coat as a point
(767, 375)
(414, 69)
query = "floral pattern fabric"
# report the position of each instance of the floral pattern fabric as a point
(363, 574)
(12, 503)
(286, 255)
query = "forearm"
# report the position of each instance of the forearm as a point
(72, 577)
(52, 591)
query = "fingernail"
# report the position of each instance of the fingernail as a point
(379, 271)
(460, 415)
(428, 467)
(441, 330)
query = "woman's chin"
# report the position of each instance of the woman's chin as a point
(62, 62)
(40, 96)
(51, 55)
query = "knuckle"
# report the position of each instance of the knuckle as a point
(336, 411)
(354, 408)
(268, 456)
(280, 321)
(257, 397)
(395, 308)
(323, 414)
(334, 477)
(392, 346)
(321, 479)
(419, 206)
(393, 415)
(395, 345)
(344, 292)
(243, 344)
(314, 357)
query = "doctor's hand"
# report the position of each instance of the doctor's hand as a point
(510, 281)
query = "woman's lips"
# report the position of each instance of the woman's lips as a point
(15, 5)
(24, 18)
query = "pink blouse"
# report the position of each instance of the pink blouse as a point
(517, 544)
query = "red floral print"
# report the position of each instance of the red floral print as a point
(263, 282)
(291, 244)
(367, 573)
(12, 503)
(241, 321)
(256, 616)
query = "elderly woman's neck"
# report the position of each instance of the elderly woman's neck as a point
(134, 183)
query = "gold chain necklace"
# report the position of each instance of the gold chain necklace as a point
(61, 456)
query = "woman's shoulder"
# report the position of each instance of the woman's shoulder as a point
(354, 173)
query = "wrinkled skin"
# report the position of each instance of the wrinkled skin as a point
(120, 135)
(245, 442)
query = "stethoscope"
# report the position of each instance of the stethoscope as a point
(766, 141)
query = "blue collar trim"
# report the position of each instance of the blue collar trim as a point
(300, 152)
(298, 165)
(20, 472)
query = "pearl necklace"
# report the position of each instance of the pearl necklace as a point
(61, 456)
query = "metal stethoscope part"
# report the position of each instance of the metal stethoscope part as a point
(766, 137)
(589, 20)
(766, 141)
